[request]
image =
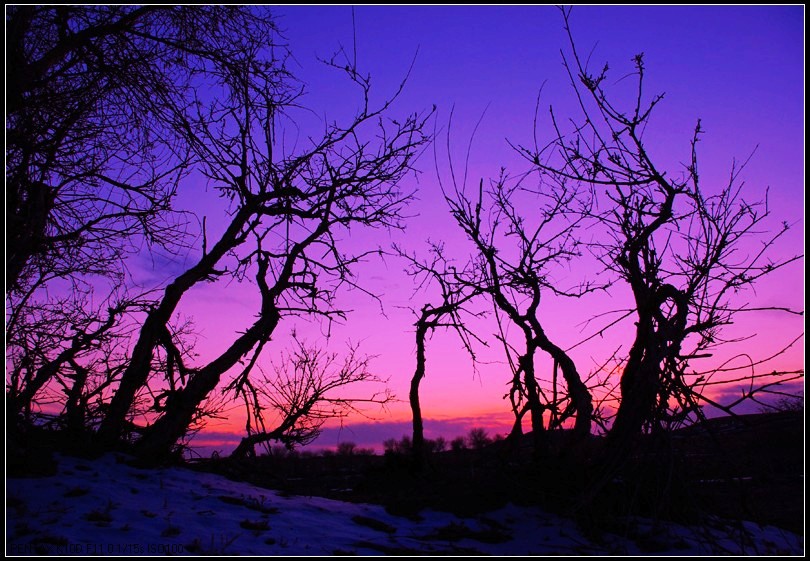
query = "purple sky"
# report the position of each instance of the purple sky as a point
(739, 69)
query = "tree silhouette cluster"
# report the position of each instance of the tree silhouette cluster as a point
(112, 107)
(593, 190)
(113, 112)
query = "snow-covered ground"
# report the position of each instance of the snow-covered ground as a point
(106, 507)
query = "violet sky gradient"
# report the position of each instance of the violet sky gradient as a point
(739, 69)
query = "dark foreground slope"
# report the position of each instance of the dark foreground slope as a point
(751, 466)
(746, 468)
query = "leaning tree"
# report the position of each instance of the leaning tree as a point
(291, 211)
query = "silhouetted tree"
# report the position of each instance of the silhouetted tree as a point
(300, 396)
(289, 211)
(97, 100)
(346, 449)
(438, 444)
(478, 439)
(458, 444)
(109, 108)
(792, 403)
(64, 340)
(455, 293)
(92, 161)
(402, 447)
(514, 256)
(676, 244)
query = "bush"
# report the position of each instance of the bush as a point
(457, 444)
(346, 449)
(793, 403)
(478, 439)
(436, 445)
(404, 446)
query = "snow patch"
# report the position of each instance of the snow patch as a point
(107, 507)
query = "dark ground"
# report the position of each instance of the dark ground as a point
(745, 468)
(749, 467)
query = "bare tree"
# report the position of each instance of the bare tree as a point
(515, 258)
(92, 162)
(109, 109)
(96, 99)
(68, 325)
(676, 244)
(300, 396)
(456, 293)
(289, 211)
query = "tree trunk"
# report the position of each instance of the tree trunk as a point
(577, 390)
(158, 439)
(138, 369)
(76, 406)
(140, 365)
(640, 387)
(246, 445)
(27, 214)
(418, 429)
(536, 409)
